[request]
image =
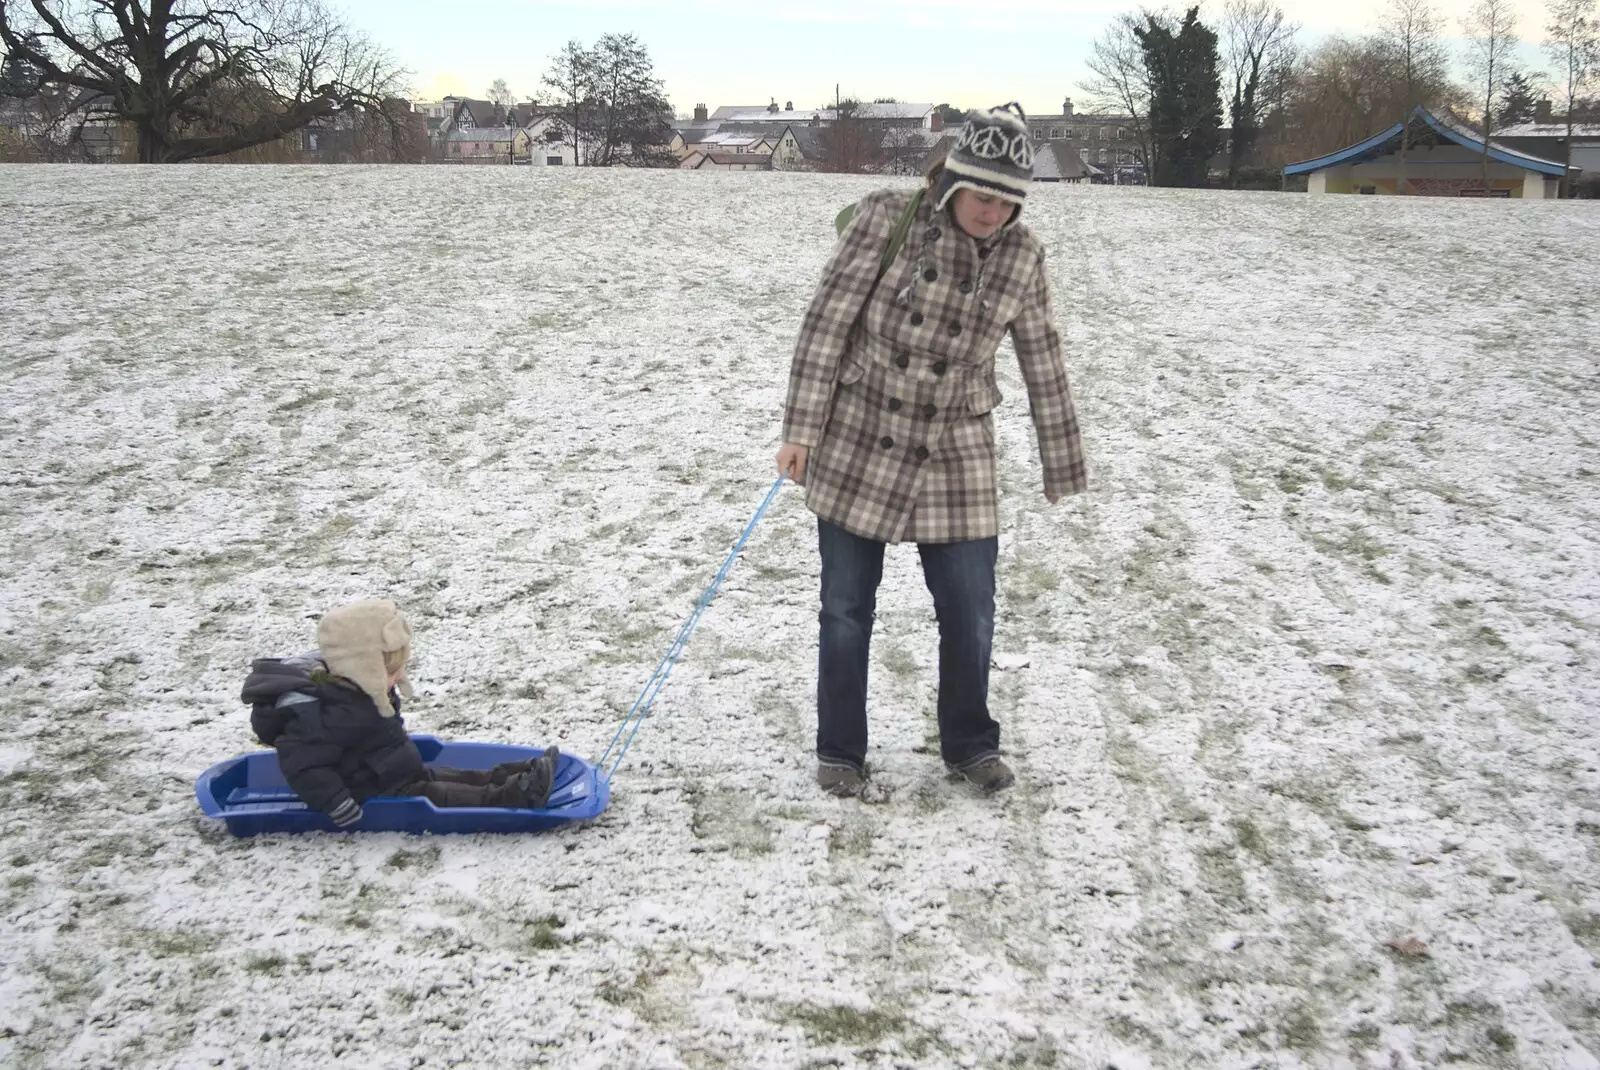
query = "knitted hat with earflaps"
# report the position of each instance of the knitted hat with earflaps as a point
(993, 155)
(354, 639)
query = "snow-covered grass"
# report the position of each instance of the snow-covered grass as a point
(1312, 670)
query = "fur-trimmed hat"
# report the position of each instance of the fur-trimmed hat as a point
(993, 155)
(353, 640)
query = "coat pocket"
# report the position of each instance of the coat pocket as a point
(982, 396)
(850, 370)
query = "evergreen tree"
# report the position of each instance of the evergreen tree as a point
(1185, 97)
(18, 78)
(1517, 100)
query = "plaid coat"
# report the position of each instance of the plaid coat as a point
(892, 386)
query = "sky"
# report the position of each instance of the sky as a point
(717, 52)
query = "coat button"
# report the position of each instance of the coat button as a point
(903, 360)
(894, 404)
(933, 234)
(966, 286)
(955, 330)
(930, 275)
(922, 453)
(938, 368)
(916, 319)
(930, 411)
(886, 442)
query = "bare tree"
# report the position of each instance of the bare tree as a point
(1412, 34)
(571, 76)
(1121, 83)
(1573, 46)
(1491, 27)
(199, 79)
(629, 114)
(904, 150)
(1344, 91)
(1255, 34)
(501, 95)
(852, 144)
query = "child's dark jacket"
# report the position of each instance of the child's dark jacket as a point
(333, 744)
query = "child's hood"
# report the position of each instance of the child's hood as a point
(272, 678)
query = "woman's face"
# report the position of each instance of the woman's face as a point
(980, 214)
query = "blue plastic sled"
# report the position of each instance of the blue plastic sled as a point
(250, 794)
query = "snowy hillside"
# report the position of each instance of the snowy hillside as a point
(1302, 697)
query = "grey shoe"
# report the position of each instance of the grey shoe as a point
(988, 774)
(843, 781)
(531, 788)
(507, 770)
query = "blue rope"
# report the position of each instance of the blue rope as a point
(641, 705)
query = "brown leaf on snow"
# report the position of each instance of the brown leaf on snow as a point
(1410, 947)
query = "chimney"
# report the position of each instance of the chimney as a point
(1542, 112)
(1066, 108)
(700, 114)
(772, 109)
(788, 105)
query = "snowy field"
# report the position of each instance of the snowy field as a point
(1302, 697)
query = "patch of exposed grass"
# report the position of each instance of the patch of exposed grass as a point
(726, 821)
(1291, 481)
(846, 1025)
(1249, 836)
(180, 943)
(420, 859)
(544, 933)
(928, 798)
(1299, 1030)
(854, 836)
(896, 658)
(1336, 482)
(304, 400)
(270, 963)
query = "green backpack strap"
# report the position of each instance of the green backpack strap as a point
(897, 240)
(842, 220)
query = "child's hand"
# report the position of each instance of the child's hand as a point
(346, 813)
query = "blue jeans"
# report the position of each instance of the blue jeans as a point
(960, 576)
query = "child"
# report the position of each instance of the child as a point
(334, 717)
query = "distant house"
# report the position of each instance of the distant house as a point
(739, 141)
(484, 145)
(799, 148)
(1059, 161)
(911, 116)
(547, 142)
(1443, 160)
(732, 161)
(770, 113)
(1104, 143)
(22, 124)
(468, 114)
(1548, 140)
(686, 139)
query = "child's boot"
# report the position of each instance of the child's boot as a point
(531, 788)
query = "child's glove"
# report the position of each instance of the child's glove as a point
(346, 813)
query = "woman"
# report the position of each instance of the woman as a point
(888, 426)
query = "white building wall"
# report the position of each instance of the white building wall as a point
(542, 152)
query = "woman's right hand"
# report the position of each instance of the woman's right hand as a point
(792, 462)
